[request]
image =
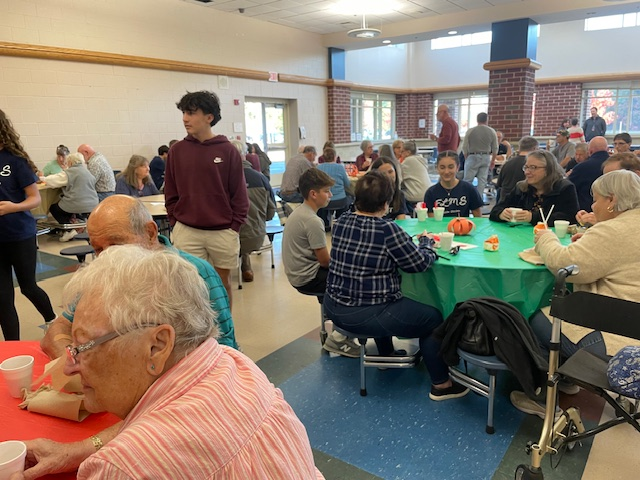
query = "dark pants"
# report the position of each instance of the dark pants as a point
(403, 318)
(316, 286)
(63, 217)
(592, 342)
(21, 257)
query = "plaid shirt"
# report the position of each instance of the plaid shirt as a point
(366, 254)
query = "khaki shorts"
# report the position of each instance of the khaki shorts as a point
(220, 248)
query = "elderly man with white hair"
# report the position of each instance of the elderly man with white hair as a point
(143, 343)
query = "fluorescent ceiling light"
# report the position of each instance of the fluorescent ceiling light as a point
(386, 41)
(452, 32)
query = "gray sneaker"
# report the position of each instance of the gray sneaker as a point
(531, 407)
(346, 348)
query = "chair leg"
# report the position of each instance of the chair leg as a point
(491, 400)
(240, 275)
(323, 328)
(271, 237)
(363, 375)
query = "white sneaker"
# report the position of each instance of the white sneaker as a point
(568, 388)
(68, 235)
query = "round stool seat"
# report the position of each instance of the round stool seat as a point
(490, 362)
(81, 252)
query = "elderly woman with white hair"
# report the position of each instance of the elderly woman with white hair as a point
(79, 195)
(608, 266)
(191, 407)
(604, 269)
(367, 157)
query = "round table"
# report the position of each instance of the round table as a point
(478, 273)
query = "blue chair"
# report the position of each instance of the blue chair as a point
(492, 365)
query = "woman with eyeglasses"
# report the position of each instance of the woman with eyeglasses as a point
(144, 344)
(542, 188)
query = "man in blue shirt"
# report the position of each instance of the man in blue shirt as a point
(157, 165)
(585, 173)
(110, 224)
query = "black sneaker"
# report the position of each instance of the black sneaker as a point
(454, 391)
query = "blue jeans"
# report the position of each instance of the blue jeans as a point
(403, 318)
(477, 166)
(295, 197)
(592, 342)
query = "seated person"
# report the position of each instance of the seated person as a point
(386, 150)
(328, 144)
(157, 166)
(143, 343)
(363, 286)
(341, 191)
(58, 164)
(296, 166)
(617, 161)
(459, 198)
(504, 149)
(398, 205)
(262, 207)
(135, 180)
(616, 205)
(581, 154)
(366, 158)
(304, 250)
(78, 196)
(122, 220)
(415, 176)
(543, 187)
(252, 158)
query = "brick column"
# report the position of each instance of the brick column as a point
(511, 89)
(554, 103)
(339, 110)
(410, 108)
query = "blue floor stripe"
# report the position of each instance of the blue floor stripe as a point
(396, 432)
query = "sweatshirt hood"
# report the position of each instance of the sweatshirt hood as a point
(212, 141)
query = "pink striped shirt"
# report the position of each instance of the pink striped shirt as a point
(214, 415)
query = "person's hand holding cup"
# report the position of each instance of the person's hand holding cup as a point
(12, 455)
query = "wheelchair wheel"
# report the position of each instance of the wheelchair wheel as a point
(526, 472)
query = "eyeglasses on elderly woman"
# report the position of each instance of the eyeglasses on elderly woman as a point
(74, 351)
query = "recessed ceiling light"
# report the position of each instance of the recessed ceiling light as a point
(386, 41)
(452, 32)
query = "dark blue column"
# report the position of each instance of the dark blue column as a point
(336, 63)
(514, 39)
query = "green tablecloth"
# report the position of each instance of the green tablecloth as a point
(476, 272)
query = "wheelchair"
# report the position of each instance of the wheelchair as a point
(589, 371)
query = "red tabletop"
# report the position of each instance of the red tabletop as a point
(18, 424)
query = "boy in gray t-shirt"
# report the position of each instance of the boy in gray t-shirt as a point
(304, 249)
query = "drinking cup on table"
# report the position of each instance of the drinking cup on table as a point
(438, 213)
(12, 455)
(422, 214)
(18, 374)
(514, 213)
(560, 227)
(446, 241)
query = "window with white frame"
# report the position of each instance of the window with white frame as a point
(455, 41)
(464, 107)
(372, 116)
(617, 103)
(609, 22)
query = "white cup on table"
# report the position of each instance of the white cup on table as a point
(514, 213)
(18, 374)
(446, 240)
(422, 214)
(12, 455)
(438, 213)
(560, 227)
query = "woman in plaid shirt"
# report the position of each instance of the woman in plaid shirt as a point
(363, 287)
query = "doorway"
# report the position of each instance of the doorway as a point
(266, 122)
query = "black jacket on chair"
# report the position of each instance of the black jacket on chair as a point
(513, 340)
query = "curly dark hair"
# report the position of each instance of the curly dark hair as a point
(204, 100)
(10, 140)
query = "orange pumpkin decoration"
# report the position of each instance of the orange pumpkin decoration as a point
(461, 226)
